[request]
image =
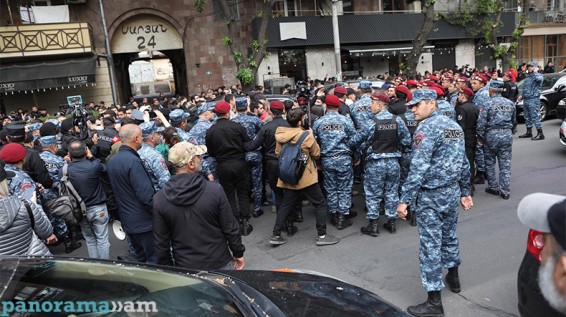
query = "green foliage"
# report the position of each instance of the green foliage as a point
(237, 57)
(199, 5)
(227, 41)
(255, 45)
(245, 76)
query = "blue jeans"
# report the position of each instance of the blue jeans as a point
(95, 231)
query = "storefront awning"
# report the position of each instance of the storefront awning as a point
(48, 74)
(383, 50)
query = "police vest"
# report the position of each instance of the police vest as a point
(105, 142)
(385, 139)
(411, 124)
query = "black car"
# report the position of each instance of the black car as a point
(531, 302)
(561, 109)
(553, 90)
(81, 287)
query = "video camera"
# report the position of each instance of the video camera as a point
(79, 115)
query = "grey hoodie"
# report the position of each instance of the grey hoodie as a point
(16, 236)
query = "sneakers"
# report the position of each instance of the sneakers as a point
(326, 240)
(277, 240)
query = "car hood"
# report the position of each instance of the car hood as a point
(298, 294)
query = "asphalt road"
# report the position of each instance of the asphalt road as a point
(492, 242)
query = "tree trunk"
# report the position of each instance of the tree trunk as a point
(422, 36)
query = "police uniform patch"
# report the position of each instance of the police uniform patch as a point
(460, 117)
(453, 134)
(419, 137)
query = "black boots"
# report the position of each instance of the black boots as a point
(245, 227)
(539, 135)
(390, 226)
(480, 178)
(340, 221)
(372, 228)
(452, 280)
(529, 134)
(431, 308)
(492, 191)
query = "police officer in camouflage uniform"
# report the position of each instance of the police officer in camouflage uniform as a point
(382, 142)
(360, 110)
(480, 88)
(197, 137)
(439, 178)
(531, 102)
(152, 160)
(252, 124)
(495, 125)
(333, 132)
(407, 155)
(178, 119)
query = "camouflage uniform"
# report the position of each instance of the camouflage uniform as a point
(438, 177)
(155, 166)
(494, 127)
(480, 98)
(198, 134)
(405, 161)
(20, 185)
(361, 112)
(333, 132)
(531, 101)
(382, 171)
(446, 109)
(54, 165)
(454, 99)
(252, 124)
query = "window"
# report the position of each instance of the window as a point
(43, 3)
(219, 15)
(347, 6)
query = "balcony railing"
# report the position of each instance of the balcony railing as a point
(45, 39)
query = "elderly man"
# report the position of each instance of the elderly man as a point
(193, 217)
(547, 213)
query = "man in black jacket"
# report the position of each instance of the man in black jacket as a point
(192, 216)
(225, 142)
(467, 116)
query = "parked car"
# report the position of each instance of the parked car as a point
(552, 91)
(563, 132)
(279, 97)
(561, 109)
(168, 291)
(531, 302)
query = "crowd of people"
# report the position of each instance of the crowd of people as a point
(184, 176)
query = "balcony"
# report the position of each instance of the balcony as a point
(45, 40)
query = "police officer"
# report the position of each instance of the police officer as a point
(105, 138)
(467, 116)
(481, 96)
(444, 106)
(342, 93)
(197, 136)
(333, 132)
(252, 124)
(407, 154)
(152, 160)
(178, 119)
(382, 142)
(495, 125)
(438, 179)
(531, 102)
(360, 110)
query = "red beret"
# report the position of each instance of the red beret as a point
(12, 153)
(380, 97)
(405, 90)
(488, 75)
(467, 91)
(332, 101)
(276, 104)
(480, 78)
(439, 91)
(340, 90)
(448, 78)
(222, 107)
(434, 78)
(463, 79)
(412, 82)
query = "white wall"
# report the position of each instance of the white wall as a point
(271, 61)
(374, 66)
(425, 63)
(466, 53)
(316, 57)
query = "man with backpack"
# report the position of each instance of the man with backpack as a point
(294, 183)
(85, 174)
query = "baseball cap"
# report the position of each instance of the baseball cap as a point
(4, 174)
(333, 101)
(496, 84)
(381, 97)
(147, 128)
(137, 115)
(241, 103)
(48, 140)
(204, 108)
(533, 64)
(178, 115)
(365, 85)
(545, 213)
(221, 107)
(420, 95)
(181, 153)
(12, 153)
(34, 126)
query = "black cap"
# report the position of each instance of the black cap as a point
(67, 124)
(48, 128)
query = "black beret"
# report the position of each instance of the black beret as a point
(48, 128)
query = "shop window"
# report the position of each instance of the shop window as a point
(292, 64)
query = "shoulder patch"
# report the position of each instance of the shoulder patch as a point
(460, 117)
(418, 139)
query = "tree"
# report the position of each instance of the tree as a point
(422, 37)
(247, 55)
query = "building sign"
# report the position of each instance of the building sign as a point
(145, 34)
(293, 30)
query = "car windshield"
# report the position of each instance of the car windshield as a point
(60, 287)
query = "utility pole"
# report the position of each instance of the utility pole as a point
(109, 59)
(336, 40)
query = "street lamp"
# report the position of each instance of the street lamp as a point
(336, 40)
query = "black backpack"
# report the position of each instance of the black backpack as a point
(69, 205)
(292, 161)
